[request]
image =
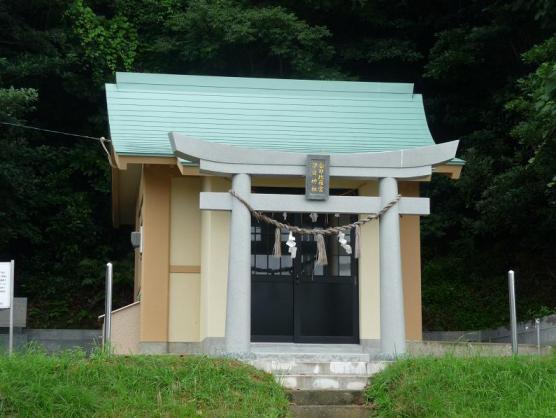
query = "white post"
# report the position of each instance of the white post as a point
(538, 328)
(392, 320)
(11, 331)
(108, 308)
(238, 308)
(513, 316)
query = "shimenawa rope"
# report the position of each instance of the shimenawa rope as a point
(318, 233)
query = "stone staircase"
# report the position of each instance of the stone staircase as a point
(328, 404)
(325, 380)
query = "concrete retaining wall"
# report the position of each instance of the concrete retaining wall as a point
(526, 333)
(53, 340)
(20, 314)
(470, 349)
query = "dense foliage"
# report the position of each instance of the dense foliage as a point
(487, 69)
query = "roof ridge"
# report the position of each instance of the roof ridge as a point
(260, 83)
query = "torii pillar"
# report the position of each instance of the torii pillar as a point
(392, 320)
(238, 295)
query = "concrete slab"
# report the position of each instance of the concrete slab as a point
(330, 411)
(314, 368)
(311, 357)
(326, 397)
(306, 348)
(282, 367)
(323, 382)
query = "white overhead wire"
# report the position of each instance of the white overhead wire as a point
(102, 140)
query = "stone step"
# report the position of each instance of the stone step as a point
(329, 411)
(326, 397)
(288, 367)
(310, 357)
(306, 348)
(323, 382)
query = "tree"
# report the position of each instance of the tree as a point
(54, 217)
(486, 69)
(500, 215)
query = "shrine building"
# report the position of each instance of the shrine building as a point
(271, 211)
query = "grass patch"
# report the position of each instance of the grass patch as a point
(475, 387)
(71, 384)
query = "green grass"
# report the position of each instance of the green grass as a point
(466, 387)
(33, 384)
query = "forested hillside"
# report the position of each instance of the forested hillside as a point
(487, 70)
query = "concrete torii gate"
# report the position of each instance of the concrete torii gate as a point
(386, 167)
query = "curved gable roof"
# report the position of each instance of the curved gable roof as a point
(278, 114)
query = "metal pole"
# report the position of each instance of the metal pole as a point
(11, 332)
(538, 327)
(108, 308)
(513, 316)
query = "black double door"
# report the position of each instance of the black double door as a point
(295, 300)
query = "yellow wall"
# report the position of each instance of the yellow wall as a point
(185, 260)
(369, 269)
(156, 254)
(185, 248)
(215, 227)
(137, 273)
(410, 231)
(369, 274)
(184, 322)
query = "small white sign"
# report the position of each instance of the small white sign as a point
(6, 283)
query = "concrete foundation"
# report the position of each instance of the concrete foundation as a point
(210, 345)
(468, 349)
(54, 340)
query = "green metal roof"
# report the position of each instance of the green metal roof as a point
(288, 115)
